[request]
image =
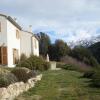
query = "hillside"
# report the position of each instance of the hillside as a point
(62, 85)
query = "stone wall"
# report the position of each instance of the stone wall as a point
(15, 89)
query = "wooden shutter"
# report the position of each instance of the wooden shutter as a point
(4, 56)
(15, 56)
(0, 56)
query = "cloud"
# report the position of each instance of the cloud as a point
(65, 19)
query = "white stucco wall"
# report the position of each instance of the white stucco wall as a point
(26, 43)
(35, 49)
(12, 42)
(3, 33)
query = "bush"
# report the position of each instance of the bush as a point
(65, 66)
(73, 64)
(88, 74)
(60, 65)
(96, 78)
(23, 57)
(7, 79)
(84, 55)
(4, 70)
(34, 63)
(21, 73)
(31, 74)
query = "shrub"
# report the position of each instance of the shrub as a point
(34, 63)
(96, 78)
(65, 66)
(83, 54)
(7, 79)
(21, 73)
(46, 65)
(88, 74)
(59, 65)
(4, 70)
(23, 57)
(73, 64)
(31, 74)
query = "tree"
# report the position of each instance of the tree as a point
(95, 49)
(58, 50)
(83, 54)
(52, 52)
(44, 43)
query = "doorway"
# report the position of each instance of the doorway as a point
(0, 56)
(3, 56)
(15, 56)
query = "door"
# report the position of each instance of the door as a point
(5, 62)
(15, 56)
(0, 56)
(3, 56)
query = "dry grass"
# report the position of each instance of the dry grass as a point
(80, 66)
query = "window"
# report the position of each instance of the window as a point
(35, 44)
(17, 34)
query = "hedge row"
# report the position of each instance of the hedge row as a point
(34, 63)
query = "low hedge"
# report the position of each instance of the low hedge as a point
(7, 79)
(34, 63)
(88, 74)
(65, 66)
(23, 74)
(96, 78)
(94, 75)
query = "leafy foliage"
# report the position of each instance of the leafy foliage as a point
(88, 74)
(34, 63)
(44, 42)
(96, 78)
(23, 57)
(95, 49)
(7, 79)
(74, 64)
(58, 50)
(83, 54)
(21, 73)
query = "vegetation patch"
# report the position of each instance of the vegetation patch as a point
(62, 85)
(34, 63)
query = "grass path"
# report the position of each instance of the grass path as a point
(61, 85)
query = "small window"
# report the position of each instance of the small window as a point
(35, 44)
(17, 34)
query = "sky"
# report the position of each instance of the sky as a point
(70, 20)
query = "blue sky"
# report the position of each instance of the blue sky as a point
(70, 20)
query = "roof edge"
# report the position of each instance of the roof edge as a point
(33, 35)
(12, 21)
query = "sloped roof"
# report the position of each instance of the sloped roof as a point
(12, 21)
(33, 35)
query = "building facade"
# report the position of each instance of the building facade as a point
(14, 42)
(29, 44)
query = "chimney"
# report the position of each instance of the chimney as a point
(30, 28)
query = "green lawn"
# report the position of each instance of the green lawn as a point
(61, 85)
